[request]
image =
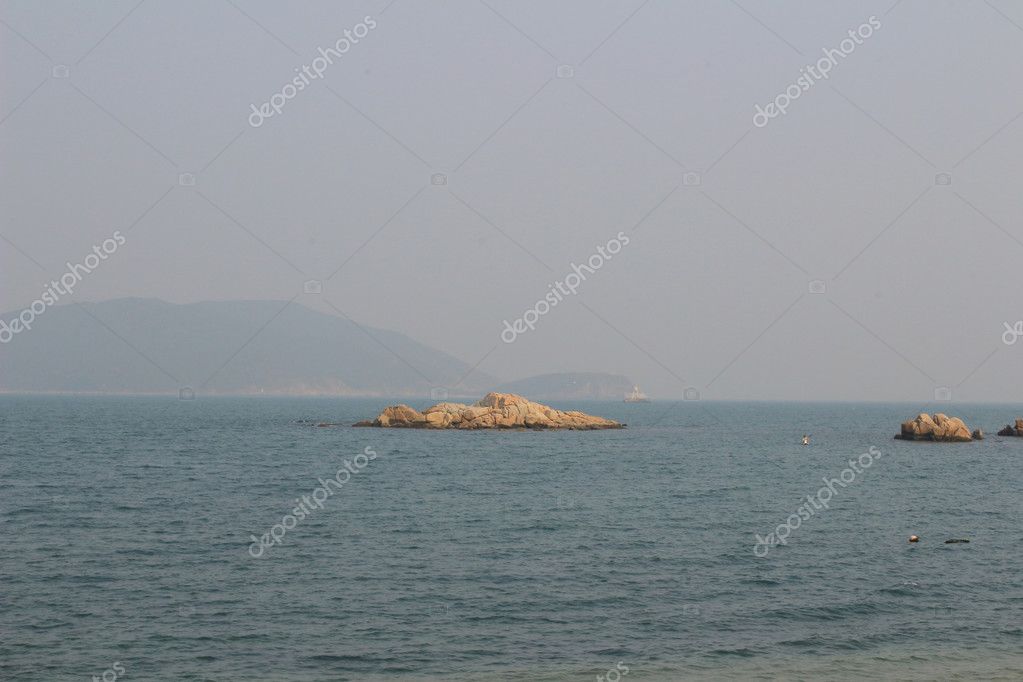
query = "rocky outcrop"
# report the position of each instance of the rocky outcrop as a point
(940, 428)
(494, 411)
(1014, 431)
(398, 415)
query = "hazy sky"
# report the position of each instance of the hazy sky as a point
(555, 126)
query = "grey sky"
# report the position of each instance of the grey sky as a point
(713, 290)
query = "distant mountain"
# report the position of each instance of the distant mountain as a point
(150, 346)
(571, 386)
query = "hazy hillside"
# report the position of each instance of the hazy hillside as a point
(571, 386)
(151, 346)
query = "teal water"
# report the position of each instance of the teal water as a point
(502, 555)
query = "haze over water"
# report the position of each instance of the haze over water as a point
(440, 174)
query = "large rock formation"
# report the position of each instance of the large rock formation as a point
(940, 428)
(1015, 431)
(494, 411)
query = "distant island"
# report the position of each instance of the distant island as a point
(150, 346)
(493, 411)
(571, 386)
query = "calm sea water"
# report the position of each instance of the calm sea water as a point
(502, 555)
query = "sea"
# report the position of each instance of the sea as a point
(154, 538)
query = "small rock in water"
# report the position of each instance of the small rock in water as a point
(939, 428)
(1014, 431)
(955, 541)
